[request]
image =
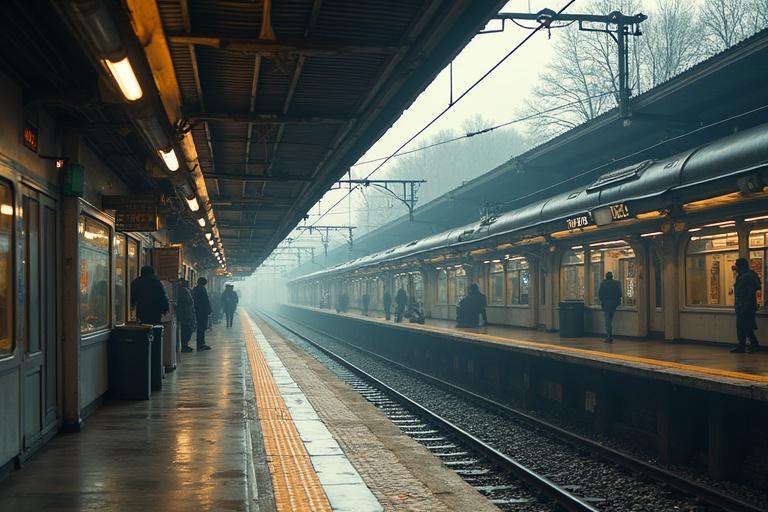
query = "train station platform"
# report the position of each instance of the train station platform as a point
(699, 364)
(252, 424)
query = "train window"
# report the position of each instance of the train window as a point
(132, 271)
(6, 271)
(418, 286)
(618, 259)
(518, 280)
(758, 250)
(496, 284)
(118, 253)
(459, 284)
(442, 287)
(572, 275)
(709, 272)
(94, 274)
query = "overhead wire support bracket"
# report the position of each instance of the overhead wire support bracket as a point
(408, 195)
(325, 231)
(617, 25)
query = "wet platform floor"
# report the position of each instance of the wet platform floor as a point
(715, 360)
(185, 449)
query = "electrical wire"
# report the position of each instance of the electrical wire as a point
(489, 129)
(445, 110)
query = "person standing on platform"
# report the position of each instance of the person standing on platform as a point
(229, 303)
(610, 298)
(185, 314)
(401, 299)
(471, 308)
(148, 297)
(202, 312)
(745, 295)
(366, 300)
(386, 301)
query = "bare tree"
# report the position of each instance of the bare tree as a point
(725, 22)
(670, 44)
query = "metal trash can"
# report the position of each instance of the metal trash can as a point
(156, 368)
(129, 362)
(571, 318)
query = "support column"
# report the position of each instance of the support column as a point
(70, 294)
(642, 288)
(552, 282)
(673, 285)
(534, 282)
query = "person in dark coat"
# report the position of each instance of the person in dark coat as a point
(610, 298)
(471, 308)
(401, 299)
(745, 295)
(185, 314)
(229, 301)
(148, 297)
(202, 311)
(366, 300)
(386, 301)
(343, 303)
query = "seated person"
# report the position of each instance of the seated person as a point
(415, 313)
(471, 308)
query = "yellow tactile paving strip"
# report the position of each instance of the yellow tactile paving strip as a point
(590, 354)
(296, 485)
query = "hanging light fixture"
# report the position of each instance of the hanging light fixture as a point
(170, 159)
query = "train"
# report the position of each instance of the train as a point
(670, 230)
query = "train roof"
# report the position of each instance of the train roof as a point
(649, 182)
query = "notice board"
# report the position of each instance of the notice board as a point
(167, 262)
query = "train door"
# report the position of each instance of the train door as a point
(40, 348)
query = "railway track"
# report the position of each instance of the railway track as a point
(562, 497)
(467, 455)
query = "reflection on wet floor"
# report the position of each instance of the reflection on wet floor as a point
(185, 449)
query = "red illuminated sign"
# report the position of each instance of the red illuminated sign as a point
(30, 136)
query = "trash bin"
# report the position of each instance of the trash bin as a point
(571, 318)
(156, 368)
(170, 342)
(129, 361)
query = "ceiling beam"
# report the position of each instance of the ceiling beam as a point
(252, 177)
(305, 47)
(248, 117)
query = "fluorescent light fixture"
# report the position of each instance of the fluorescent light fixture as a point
(170, 159)
(211, 242)
(693, 230)
(576, 247)
(724, 224)
(6, 209)
(496, 261)
(193, 204)
(125, 78)
(753, 219)
(215, 250)
(612, 242)
(655, 233)
(208, 236)
(201, 222)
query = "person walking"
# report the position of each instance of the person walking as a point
(471, 308)
(610, 298)
(386, 301)
(401, 299)
(366, 300)
(185, 314)
(229, 303)
(148, 297)
(202, 311)
(745, 295)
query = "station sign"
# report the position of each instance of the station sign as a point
(167, 262)
(30, 136)
(611, 213)
(579, 221)
(138, 212)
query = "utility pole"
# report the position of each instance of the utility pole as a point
(407, 196)
(615, 24)
(324, 232)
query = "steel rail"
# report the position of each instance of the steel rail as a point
(711, 496)
(537, 483)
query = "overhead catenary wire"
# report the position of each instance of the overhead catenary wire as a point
(445, 110)
(488, 129)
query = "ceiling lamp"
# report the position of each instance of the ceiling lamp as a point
(201, 223)
(208, 236)
(170, 159)
(211, 242)
(126, 80)
(192, 203)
